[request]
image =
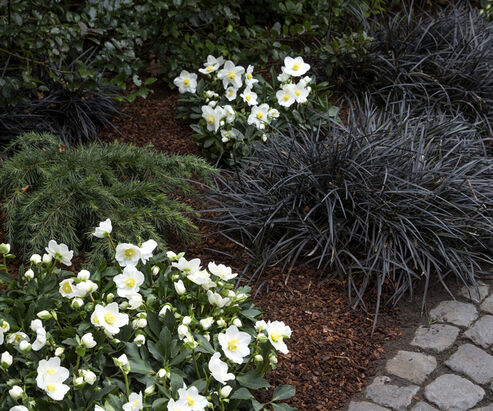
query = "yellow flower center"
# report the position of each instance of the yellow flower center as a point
(4, 326)
(227, 134)
(296, 66)
(231, 75)
(230, 93)
(248, 97)
(110, 318)
(210, 119)
(130, 282)
(186, 82)
(135, 403)
(297, 92)
(209, 68)
(249, 76)
(276, 336)
(96, 320)
(260, 115)
(129, 253)
(67, 288)
(190, 400)
(286, 97)
(51, 387)
(233, 344)
(50, 371)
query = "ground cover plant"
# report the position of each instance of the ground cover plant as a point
(235, 107)
(387, 199)
(442, 62)
(158, 332)
(52, 191)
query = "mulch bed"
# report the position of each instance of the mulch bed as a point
(332, 352)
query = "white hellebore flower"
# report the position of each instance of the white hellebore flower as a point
(183, 331)
(226, 135)
(231, 93)
(16, 392)
(103, 229)
(301, 92)
(89, 377)
(249, 79)
(186, 82)
(29, 274)
(88, 341)
(6, 359)
(259, 116)
(180, 405)
(231, 74)
(180, 287)
(212, 117)
(134, 402)
(223, 272)
(295, 67)
(4, 248)
(50, 378)
(191, 395)
(212, 64)
(234, 343)
(225, 391)
(273, 113)
(127, 254)
(17, 337)
(60, 252)
(140, 340)
(67, 288)
(47, 258)
(249, 97)
(229, 113)
(146, 250)
(187, 266)
(201, 277)
(35, 259)
(85, 288)
(276, 331)
(109, 318)
(134, 301)
(216, 299)
(285, 96)
(219, 369)
(283, 77)
(40, 341)
(84, 275)
(206, 323)
(25, 346)
(129, 281)
(260, 326)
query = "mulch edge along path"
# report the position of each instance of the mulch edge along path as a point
(332, 352)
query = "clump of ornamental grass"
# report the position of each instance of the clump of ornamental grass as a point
(142, 331)
(387, 199)
(442, 62)
(50, 191)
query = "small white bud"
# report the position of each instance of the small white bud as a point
(89, 377)
(44, 315)
(24, 346)
(150, 390)
(16, 392)
(59, 351)
(180, 287)
(221, 323)
(77, 303)
(155, 270)
(162, 373)
(29, 274)
(47, 258)
(186, 320)
(35, 259)
(237, 322)
(166, 307)
(140, 340)
(225, 391)
(88, 341)
(206, 323)
(110, 297)
(84, 275)
(6, 359)
(259, 358)
(79, 381)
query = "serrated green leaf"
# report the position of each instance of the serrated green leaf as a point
(283, 392)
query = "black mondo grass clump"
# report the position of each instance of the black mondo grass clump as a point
(50, 191)
(386, 200)
(74, 115)
(442, 62)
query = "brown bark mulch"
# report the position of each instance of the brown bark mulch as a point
(332, 350)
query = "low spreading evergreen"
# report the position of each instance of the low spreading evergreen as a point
(49, 191)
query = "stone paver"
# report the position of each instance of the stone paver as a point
(389, 395)
(450, 392)
(365, 406)
(423, 406)
(412, 366)
(481, 331)
(474, 362)
(476, 295)
(436, 337)
(487, 305)
(455, 312)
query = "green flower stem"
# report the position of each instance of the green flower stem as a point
(77, 363)
(112, 245)
(195, 364)
(126, 383)
(245, 366)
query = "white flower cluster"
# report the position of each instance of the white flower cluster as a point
(222, 117)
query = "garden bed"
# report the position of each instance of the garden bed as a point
(332, 353)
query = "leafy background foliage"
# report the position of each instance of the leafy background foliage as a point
(50, 191)
(386, 199)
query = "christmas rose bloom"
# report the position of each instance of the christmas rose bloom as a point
(277, 331)
(129, 282)
(231, 74)
(219, 369)
(127, 254)
(109, 318)
(231, 93)
(50, 378)
(234, 343)
(295, 67)
(216, 299)
(286, 96)
(103, 229)
(223, 272)
(191, 395)
(60, 252)
(249, 80)
(212, 64)
(259, 116)
(180, 405)
(186, 82)
(146, 250)
(249, 96)
(213, 117)
(134, 402)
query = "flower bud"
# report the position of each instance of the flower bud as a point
(180, 287)
(221, 323)
(231, 294)
(186, 320)
(213, 103)
(182, 331)
(16, 392)
(259, 358)
(29, 274)
(121, 361)
(87, 340)
(260, 326)
(162, 373)
(166, 307)
(47, 258)
(35, 259)
(135, 301)
(25, 346)
(83, 275)
(5, 326)
(59, 351)
(272, 359)
(44, 315)
(77, 303)
(155, 270)
(140, 340)
(206, 323)
(262, 338)
(123, 305)
(89, 377)
(78, 381)
(150, 390)
(237, 322)
(207, 337)
(173, 256)
(140, 323)
(6, 359)
(225, 391)
(4, 248)
(110, 297)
